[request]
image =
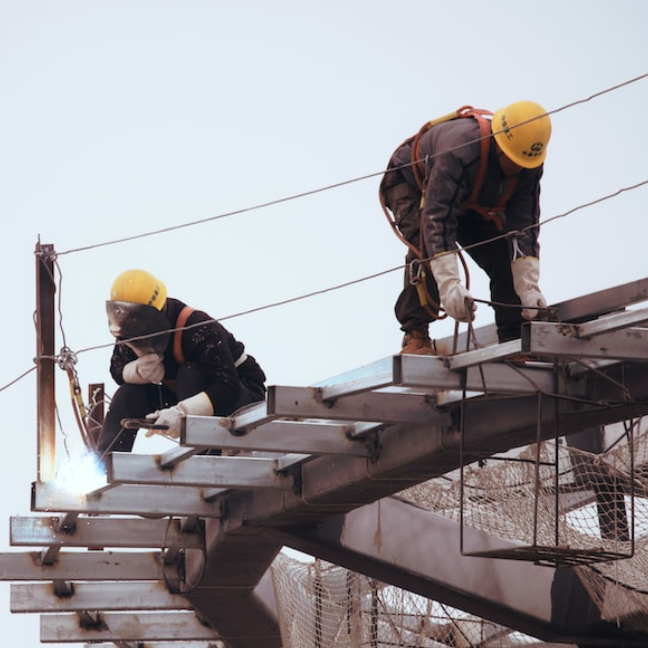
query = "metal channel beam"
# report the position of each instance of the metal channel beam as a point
(548, 338)
(126, 500)
(40, 597)
(382, 407)
(117, 626)
(248, 473)
(431, 372)
(578, 309)
(92, 566)
(101, 532)
(471, 370)
(611, 323)
(406, 546)
(412, 454)
(603, 302)
(45, 354)
(277, 436)
(367, 378)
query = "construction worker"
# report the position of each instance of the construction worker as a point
(475, 182)
(170, 361)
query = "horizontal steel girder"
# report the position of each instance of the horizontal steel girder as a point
(317, 437)
(118, 626)
(40, 597)
(101, 532)
(411, 454)
(91, 566)
(564, 340)
(204, 471)
(126, 500)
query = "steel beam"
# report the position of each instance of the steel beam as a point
(40, 597)
(479, 374)
(46, 362)
(277, 436)
(99, 533)
(92, 566)
(382, 407)
(127, 499)
(611, 323)
(551, 339)
(248, 473)
(117, 626)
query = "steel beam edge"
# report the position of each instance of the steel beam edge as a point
(94, 532)
(105, 596)
(118, 626)
(158, 501)
(247, 473)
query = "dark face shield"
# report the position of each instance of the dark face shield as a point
(146, 324)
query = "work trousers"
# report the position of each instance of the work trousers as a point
(136, 401)
(494, 257)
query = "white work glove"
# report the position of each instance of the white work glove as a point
(455, 299)
(526, 274)
(146, 369)
(198, 405)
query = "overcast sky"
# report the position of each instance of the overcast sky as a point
(119, 118)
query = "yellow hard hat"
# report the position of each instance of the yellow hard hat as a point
(139, 287)
(526, 144)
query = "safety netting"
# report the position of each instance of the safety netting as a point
(556, 504)
(550, 503)
(322, 605)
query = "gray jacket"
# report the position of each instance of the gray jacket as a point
(453, 151)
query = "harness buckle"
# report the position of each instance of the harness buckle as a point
(416, 271)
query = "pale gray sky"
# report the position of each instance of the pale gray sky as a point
(125, 117)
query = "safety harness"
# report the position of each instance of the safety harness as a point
(177, 338)
(420, 172)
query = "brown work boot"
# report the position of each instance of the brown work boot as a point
(417, 342)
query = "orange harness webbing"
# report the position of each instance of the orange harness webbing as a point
(177, 338)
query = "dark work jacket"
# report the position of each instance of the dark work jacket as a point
(454, 150)
(213, 349)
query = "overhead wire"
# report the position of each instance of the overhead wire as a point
(328, 188)
(336, 185)
(372, 276)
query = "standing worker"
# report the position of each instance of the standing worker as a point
(464, 179)
(170, 361)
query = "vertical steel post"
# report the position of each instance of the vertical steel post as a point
(45, 290)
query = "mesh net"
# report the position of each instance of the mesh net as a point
(564, 505)
(547, 502)
(323, 605)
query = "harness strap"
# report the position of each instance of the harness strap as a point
(493, 213)
(484, 134)
(177, 338)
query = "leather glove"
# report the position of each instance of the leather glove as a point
(455, 299)
(526, 274)
(146, 369)
(198, 405)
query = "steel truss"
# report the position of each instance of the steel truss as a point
(181, 543)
